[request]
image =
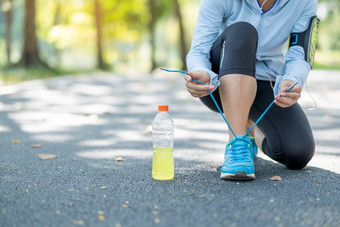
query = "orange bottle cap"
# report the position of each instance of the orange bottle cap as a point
(163, 108)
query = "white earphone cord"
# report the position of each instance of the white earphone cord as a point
(263, 4)
(315, 104)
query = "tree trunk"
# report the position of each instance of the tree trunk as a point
(30, 55)
(57, 20)
(183, 46)
(8, 38)
(152, 23)
(98, 21)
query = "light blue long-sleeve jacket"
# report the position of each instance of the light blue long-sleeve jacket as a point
(273, 61)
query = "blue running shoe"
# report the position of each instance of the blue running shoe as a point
(252, 140)
(238, 163)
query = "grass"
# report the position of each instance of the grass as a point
(329, 60)
(18, 74)
(326, 67)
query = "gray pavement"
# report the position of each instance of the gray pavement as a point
(88, 121)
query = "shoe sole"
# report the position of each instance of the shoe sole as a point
(239, 175)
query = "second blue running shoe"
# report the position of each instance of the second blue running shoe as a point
(239, 160)
(253, 143)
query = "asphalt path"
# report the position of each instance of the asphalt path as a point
(89, 121)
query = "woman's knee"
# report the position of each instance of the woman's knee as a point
(297, 156)
(242, 35)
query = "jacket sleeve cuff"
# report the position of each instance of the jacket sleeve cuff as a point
(288, 76)
(213, 77)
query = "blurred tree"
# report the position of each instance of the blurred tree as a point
(183, 46)
(152, 30)
(329, 34)
(57, 14)
(57, 20)
(7, 6)
(99, 39)
(30, 55)
(125, 24)
(158, 9)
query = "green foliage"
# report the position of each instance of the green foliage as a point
(327, 59)
(17, 74)
(13, 75)
(67, 33)
(330, 32)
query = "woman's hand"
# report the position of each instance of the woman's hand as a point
(288, 98)
(196, 89)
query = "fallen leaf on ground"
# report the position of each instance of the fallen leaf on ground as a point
(275, 178)
(15, 141)
(78, 222)
(47, 156)
(94, 116)
(19, 106)
(101, 217)
(119, 159)
(149, 129)
(37, 145)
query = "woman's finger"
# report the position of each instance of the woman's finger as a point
(297, 88)
(197, 94)
(281, 104)
(291, 95)
(286, 101)
(198, 87)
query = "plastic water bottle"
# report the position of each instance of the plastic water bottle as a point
(163, 142)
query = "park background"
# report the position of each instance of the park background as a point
(40, 39)
(94, 124)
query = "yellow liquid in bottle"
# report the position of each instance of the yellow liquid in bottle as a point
(163, 164)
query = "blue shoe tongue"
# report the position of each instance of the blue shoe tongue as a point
(239, 140)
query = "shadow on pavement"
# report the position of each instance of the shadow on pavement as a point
(87, 122)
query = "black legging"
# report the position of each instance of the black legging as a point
(288, 135)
